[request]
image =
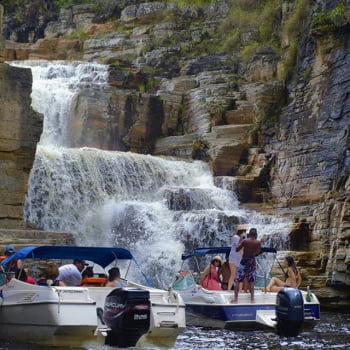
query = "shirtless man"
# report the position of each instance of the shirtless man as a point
(247, 267)
(224, 274)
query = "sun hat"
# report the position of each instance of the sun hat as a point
(217, 257)
(241, 228)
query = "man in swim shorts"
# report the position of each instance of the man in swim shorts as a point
(247, 267)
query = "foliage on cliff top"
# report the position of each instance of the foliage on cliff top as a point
(331, 20)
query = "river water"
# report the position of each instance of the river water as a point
(333, 332)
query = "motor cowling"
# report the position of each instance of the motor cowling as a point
(289, 312)
(127, 314)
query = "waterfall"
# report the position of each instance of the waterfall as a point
(157, 207)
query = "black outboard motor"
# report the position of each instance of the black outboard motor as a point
(127, 314)
(289, 312)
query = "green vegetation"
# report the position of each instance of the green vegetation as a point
(330, 21)
(182, 3)
(252, 23)
(293, 29)
(28, 12)
(78, 34)
(68, 3)
(249, 50)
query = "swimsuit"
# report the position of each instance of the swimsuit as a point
(246, 269)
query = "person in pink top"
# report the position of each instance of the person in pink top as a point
(210, 275)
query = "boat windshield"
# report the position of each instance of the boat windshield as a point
(184, 282)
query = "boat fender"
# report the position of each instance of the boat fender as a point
(99, 312)
(289, 312)
(176, 298)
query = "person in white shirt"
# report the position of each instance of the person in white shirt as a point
(70, 274)
(235, 257)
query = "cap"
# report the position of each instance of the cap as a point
(80, 261)
(217, 257)
(241, 227)
(10, 249)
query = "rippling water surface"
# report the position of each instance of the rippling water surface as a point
(333, 332)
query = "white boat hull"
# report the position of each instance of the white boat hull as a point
(68, 315)
(216, 309)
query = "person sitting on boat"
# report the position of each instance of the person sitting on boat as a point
(14, 265)
(24, 276)
(247, 266)
(114, 278)
(49, 277)
(224, 273)
(70, 274)
(209, 278)
(292, 275)
(235, 256)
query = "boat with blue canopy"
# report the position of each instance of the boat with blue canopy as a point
(76, 315)
(215, 308)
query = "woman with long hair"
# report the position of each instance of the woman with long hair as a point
(292, 275)
(209, 278)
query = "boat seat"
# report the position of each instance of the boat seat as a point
(93, 281)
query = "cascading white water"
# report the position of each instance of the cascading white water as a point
(122, 198)
(54, 86)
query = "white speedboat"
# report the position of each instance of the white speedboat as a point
(65, 315)
(288, 311)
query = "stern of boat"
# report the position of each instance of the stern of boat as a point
(168, 318)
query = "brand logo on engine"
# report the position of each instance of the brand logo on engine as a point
(114, 305)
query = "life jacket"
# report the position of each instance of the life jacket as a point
(93, 281)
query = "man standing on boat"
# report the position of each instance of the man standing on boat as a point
(235, 256)
(247, 268)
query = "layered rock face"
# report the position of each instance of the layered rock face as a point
(2, 41)
(20, 130)
(311, 156)
(215, 108)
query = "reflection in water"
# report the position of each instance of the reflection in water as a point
(333, 332)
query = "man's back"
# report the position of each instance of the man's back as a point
(69, 275)
(251, 246)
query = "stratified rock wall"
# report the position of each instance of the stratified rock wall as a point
(2, 42)
(20, 130)
(311, 157)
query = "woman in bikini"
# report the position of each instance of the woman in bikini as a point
(293, 277)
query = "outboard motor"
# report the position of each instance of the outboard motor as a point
(127, 314)
(289, 312)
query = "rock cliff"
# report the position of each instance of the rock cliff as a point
(275, 123)
(20, 130)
